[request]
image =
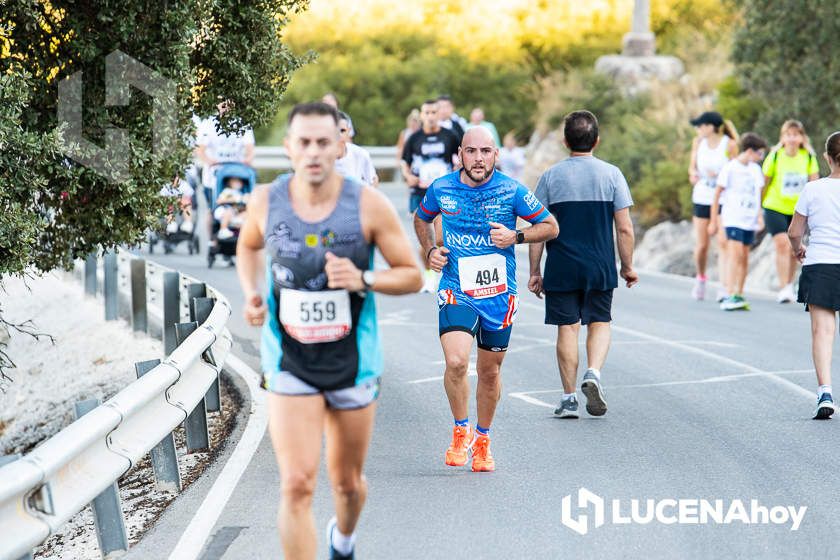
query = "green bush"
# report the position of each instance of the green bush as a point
(783, 57)
(394, 79)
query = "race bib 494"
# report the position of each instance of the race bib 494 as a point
(483, 276)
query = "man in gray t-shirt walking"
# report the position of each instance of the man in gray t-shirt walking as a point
(588, 197)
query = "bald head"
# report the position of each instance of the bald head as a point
(478, 154)
(478, 136)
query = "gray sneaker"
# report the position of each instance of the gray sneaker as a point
(596, 405)
(568, 408)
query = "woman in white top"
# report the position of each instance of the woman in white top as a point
(715, 144)
(412, 125)
(818, 208)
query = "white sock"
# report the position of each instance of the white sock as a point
(567, 396)
(343, 544)
(596, 372)
(824, 389)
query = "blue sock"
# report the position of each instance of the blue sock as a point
(464, 422)
(482, 431)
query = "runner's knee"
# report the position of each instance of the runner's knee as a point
(456, 366)
(349, 485)
(298, 486)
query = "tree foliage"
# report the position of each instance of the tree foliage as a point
(785, 60)
(53, 209)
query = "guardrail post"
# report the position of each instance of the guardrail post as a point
(139, 318)
(111, 286)
(171, 311)
(198, 438)
(163, 455)
(90, 274)
(202, 307)
(195, 290)
(107, 509)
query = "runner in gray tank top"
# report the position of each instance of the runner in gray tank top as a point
(321, 356)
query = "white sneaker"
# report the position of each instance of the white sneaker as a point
(172, 227)
(722, 295)
(187, 227)
(786, 295)
(699, 290)
(224, 233)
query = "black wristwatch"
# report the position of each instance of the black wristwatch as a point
(520, 237)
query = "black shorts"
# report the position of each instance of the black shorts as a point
(704, 211)
(776, 222)
(819, 285)
(584, 306)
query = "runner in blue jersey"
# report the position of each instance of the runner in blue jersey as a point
(477, 297)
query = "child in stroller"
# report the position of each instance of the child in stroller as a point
(178, 226)
(234, 182)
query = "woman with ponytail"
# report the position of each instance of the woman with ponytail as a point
(818, 210)
(786, 170)
(716, 143)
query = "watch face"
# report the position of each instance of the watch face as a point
(368, 278)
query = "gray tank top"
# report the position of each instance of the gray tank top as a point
(296, 255)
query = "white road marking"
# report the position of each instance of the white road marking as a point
(470, 373)
(195, 536)
(710, 355)
(526, 395)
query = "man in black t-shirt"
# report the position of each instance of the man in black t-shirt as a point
(429, 153)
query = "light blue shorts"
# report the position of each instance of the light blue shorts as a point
(359, 396)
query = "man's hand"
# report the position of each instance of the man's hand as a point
(800, 253)
(535, 284)
(412, 180)
(255, 310)
(630, 276)
(343, 274)
(437, 258)
(501, 236)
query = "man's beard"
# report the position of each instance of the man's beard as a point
(479, 178)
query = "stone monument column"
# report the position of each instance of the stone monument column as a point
(640, 41)
(638, 62)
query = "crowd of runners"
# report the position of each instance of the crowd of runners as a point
(306, 254)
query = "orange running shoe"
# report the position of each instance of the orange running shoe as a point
(482, 458)
(456, 455)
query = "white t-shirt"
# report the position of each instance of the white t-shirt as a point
(742, 186)
(820, 203)
(222, 147)
(356, 164)
(709, 163)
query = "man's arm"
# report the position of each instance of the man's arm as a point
(410, 178)
(389, 237)
(626, 243)
(249, 256)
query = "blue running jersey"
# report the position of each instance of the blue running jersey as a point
(479, 274)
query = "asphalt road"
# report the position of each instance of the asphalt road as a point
(703, 405)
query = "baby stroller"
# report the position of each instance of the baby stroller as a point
(224, 173)
(179, 228)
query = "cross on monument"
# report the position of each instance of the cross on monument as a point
(640, 41)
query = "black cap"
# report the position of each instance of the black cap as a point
(709, 117)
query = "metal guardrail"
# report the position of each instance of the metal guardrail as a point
(45, 488)
(274, 157)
